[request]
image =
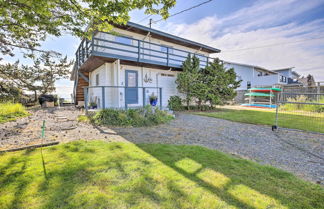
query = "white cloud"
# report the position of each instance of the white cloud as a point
(264, 23)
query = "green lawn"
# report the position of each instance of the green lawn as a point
(11, 111)
(295, 120)
(97, 174)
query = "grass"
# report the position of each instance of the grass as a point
(295, 120)
(97, 174)
(11, 111)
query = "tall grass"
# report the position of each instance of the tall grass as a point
(10, 111)
(304, 107)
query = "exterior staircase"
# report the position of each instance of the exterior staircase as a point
(79, 88)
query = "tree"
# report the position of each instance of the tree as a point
(39, 78)
(9, 92)
(221, 83)
(213, 84)
(310, 80)
(25, 23)
(187, 79)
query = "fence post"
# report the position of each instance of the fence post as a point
(85, 92)
(318, 91)
(160, 98)
(144, 97)
(103, 98)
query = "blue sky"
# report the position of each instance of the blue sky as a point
(243, 30)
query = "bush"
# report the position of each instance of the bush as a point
(11, 111)
(175, 103)
(132, 117)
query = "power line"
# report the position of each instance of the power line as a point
(140, 21)
(270, 45)
(185, 10)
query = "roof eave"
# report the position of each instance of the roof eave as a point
(204, 47)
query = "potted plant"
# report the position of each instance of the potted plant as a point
(93, 105)
(153, 100)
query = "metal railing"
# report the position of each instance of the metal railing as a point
(105, 45)
(116, 96)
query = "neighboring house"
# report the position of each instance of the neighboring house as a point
(123, 69)
(290, 74)
(255, 76)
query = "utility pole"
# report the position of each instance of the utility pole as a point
(150, 22)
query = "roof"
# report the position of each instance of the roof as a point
(167, 37)
(253, 66)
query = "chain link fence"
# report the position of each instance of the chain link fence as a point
(300, 111)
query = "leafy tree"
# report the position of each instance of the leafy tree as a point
(39, 78)
(221, 83)
(213, 84)
(310, 80)
(25, 23)
(187, 79)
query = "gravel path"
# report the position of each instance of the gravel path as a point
(297, 152)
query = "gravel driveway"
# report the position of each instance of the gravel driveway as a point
(297, 152)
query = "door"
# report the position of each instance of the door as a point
(131, 90)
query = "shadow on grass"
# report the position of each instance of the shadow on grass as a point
(226, 176)
(120, 175)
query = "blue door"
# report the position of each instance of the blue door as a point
(131, 90)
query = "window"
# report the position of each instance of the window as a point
(248, 85)
(97, 79)
(123, 40)
(283, 79)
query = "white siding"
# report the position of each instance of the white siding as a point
(111, 75)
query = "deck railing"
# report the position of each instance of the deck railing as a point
(116, 96)
(130, 49)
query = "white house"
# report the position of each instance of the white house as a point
(123, 69)
(255, 76)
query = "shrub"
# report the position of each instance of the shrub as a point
(11, 111)
(175, 103)
(132, 117)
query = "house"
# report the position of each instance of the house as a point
(124, 68)
(255, 76)
(290, 74)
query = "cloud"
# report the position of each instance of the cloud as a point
(265, 23)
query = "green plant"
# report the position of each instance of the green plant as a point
(175, 103)
(11, 111)
(146, 116)
(152, 97)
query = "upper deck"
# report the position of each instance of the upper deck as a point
(161, 50)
